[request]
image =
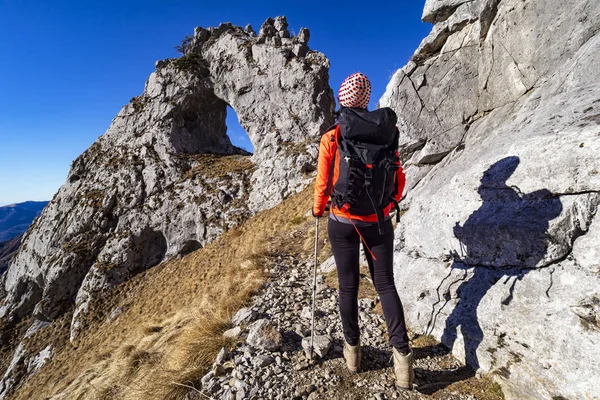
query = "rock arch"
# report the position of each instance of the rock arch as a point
(156, 169)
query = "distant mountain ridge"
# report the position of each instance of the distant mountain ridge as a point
(7, 250)
(16, 218)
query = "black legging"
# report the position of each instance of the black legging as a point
(345, 244)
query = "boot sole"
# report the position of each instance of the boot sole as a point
(407, 388)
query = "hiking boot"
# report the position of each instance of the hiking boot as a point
(352, 356)
(403, 369)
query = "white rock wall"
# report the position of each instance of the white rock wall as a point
(496, 253)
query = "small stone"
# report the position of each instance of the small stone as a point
(240, 394)
(301, 366)
(238, 374)
(218, 370)
(228, 395)
(229, 365)
(321, 345)
(206, 379)
(262, 361)
(240, 385)
(213, 387)
(306, 313)
(366, 304)
(233, 332)
(243, 316)
(223, 356)
(114, 314)
(305, 390)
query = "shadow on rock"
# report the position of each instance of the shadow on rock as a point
(503, 240)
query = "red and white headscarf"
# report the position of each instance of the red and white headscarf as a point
(355, 91)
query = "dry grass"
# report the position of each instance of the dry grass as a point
(216, 166)
(424, 341)
(483, 388)
(173, 318)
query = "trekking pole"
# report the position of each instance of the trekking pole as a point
(314, 293)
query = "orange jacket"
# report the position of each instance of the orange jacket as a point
(327, 151)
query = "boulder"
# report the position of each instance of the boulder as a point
(262, 334)
(321, 345)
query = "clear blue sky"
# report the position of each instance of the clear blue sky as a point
(67, 67)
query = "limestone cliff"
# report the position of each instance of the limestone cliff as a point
(165, 179)
(497, 250)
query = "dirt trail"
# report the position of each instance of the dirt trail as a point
(285, 301)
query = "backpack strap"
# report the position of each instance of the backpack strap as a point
(397, 207)
(334, 139)
(369, 191)
(378, 210)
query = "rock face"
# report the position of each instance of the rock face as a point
(496, 254)
(165, 179)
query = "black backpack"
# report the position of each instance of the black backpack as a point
(367, 181)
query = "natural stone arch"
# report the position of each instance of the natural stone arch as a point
(152, 169)
(278, 88)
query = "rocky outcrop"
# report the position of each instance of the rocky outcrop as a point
(165, 179)
(500, 116)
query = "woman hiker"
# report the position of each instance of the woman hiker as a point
(360, 171)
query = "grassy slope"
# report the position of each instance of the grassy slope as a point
(173, 315)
